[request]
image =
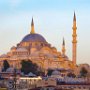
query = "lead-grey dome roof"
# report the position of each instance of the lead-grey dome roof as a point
(33, 38)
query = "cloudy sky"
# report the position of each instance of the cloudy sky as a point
(53, 19)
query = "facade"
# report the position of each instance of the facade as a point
(35, 48)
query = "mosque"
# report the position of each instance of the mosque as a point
(35, 48)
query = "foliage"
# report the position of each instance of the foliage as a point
(71, 75)
(83, 72)
(5, 65)
(28, 66)
(49, 72)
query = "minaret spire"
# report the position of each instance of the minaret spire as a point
(74, 19)
(74, 41)
(32, 27)
(63, 48)
(63, 42)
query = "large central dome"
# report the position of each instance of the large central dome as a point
(33, 38)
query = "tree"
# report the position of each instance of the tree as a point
(49, 73)
(5, 65)
(71, 75)
(28, 66)
(83, 72)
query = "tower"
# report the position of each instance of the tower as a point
(63, 47)
(74, 41)
(32, 27)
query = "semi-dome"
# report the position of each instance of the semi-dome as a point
(33, 38)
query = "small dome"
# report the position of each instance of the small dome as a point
(13, 47)
(33, 38)
(4, 56)
(10, 69)
(21, 49)
(55, 72)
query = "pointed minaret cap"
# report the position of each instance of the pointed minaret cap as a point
(63, 42)
(63, 48)
(32, 23)
(74, 19)
(32, 27)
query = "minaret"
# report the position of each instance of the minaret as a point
(74, 41)
(32, 27)
(63, 48)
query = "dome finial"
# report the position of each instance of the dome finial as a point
(32, 27)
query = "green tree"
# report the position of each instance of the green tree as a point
(49, 72)
(5, 65)
(83, 72)
(28, 66)
(71, 75)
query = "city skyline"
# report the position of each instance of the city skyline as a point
(52, 20)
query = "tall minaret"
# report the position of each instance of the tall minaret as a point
(63, 48)
(32, 27)
(74, 41)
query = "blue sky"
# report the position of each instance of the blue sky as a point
(52, 18)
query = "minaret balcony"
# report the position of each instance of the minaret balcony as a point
(74, 35)
(74, 41)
